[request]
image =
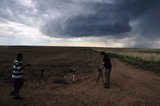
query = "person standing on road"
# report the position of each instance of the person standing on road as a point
(17, 76)
(106, 66)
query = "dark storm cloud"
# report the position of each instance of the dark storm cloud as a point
(106, 18)
(77, 18)
(149, 24)
(136, 8)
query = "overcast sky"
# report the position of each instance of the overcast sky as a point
(103, 23)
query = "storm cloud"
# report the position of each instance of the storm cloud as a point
(107, 19)
(100, 18)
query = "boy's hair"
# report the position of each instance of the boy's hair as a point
(19, 56)
(102, 53)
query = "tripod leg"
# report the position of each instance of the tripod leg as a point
(44, 78)
(40, 78)
(102, 77)
(98, 78)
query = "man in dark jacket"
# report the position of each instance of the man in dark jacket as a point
(17, 76)
(106, 66)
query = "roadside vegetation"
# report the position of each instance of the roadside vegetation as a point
(147, 60)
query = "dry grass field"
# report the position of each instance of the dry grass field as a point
(146, 54)
(146, 59)
(129, 86)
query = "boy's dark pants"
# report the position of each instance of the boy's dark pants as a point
(107, 75)
(18, 83)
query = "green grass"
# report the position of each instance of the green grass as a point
(136, 62)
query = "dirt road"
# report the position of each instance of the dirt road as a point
(129, 86)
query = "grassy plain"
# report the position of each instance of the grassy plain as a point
(148, 59)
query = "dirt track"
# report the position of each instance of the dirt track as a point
(129, 86)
